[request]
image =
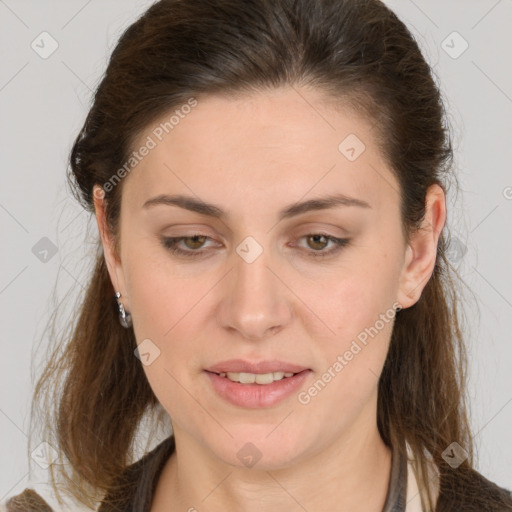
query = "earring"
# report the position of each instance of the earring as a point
(125, 318)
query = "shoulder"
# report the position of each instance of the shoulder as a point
(462, 490)
(473, 492)
(28, 501)
(133, 491)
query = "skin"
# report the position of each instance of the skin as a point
(252, 156)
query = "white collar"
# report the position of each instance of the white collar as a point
(416, 500)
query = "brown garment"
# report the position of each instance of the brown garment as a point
(140, 479)
(28, 501)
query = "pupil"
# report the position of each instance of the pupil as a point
(315, 238)
(195, 239)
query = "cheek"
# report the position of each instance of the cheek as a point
(356, 299)
(353, 358)
(360, 308)
(168, 307)
(159, 295)
(165, 310)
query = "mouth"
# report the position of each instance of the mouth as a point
(256, 384)
(256, 390)
(256, 378)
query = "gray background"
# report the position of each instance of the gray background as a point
(43, 103)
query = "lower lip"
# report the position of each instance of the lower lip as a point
(256, 396)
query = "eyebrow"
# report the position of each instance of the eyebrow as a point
(198, 206)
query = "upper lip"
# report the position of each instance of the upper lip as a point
(241, 366)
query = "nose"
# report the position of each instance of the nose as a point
(255, 303)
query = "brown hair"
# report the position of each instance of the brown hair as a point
(93, 391)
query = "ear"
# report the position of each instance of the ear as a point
(421, 251)
(112, 258)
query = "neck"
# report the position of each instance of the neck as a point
(351, 474)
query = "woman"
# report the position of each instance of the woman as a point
(268, 180)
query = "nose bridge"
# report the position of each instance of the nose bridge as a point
(255, 303)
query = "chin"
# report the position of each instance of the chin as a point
(256, 451)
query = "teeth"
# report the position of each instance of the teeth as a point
(251, 378)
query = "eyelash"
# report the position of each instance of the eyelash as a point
(170, 243)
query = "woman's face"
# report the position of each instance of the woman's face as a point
(259, 286)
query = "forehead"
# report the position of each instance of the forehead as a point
(259, 146)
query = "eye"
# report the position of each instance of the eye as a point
(197, 241)
(319, 242)
(194, 244)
